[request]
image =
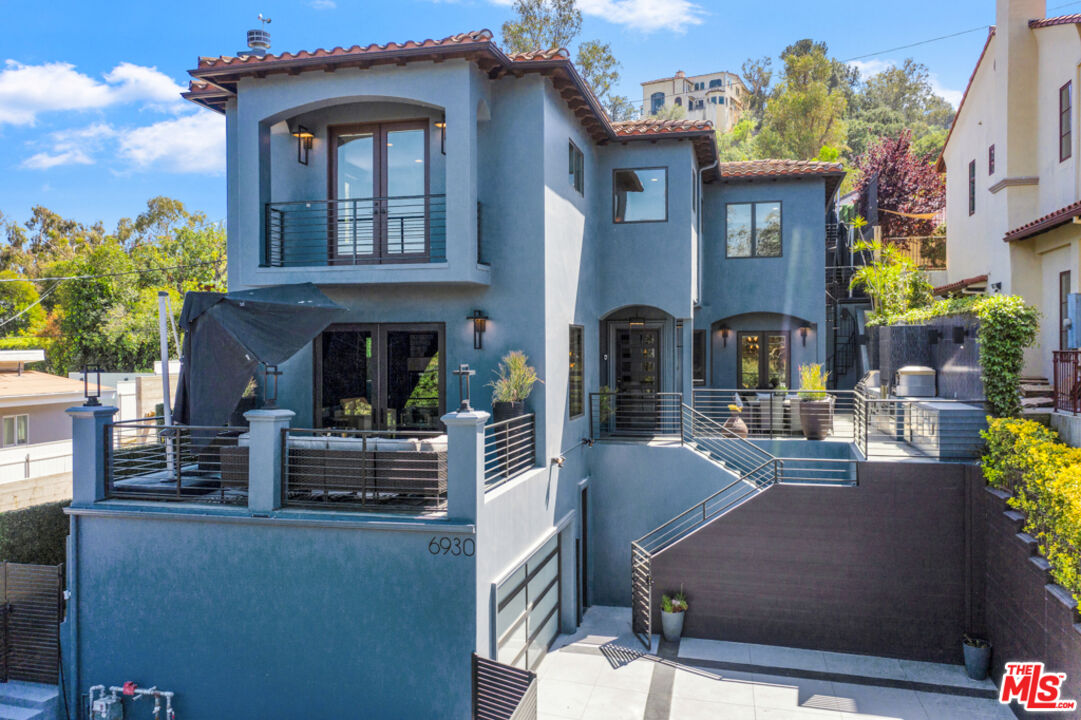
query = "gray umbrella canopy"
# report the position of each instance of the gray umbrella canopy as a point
(227, 335)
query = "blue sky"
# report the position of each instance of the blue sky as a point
(91, 124)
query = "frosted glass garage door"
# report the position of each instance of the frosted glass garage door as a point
(527, 602)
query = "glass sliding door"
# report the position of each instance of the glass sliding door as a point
(413, 379)
(354, 190)
(406, 212)
(348, 383)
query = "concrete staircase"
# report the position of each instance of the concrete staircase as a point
(1037, 398)
(29, 701)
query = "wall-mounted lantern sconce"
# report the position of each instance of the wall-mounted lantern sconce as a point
(724, 334)
(92, 394)
(271, 373)
(480, 324)
(803, 330)
(933, 336)
(442, 125)
(636, 322)
(304, 138)
(996, 286)
(960, 332)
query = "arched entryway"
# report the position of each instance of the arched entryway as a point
(761, 350)
(639, 351)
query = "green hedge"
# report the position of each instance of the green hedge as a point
(37, 535)
(1044, 477)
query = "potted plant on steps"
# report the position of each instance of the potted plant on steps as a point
(815, 404)
(734, 424)
(673, 609)
(977, 656)
(512, 385)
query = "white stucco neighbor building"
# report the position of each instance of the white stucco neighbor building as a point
(1011, 163)
(715, 97)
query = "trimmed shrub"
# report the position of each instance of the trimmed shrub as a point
(37, 535)
(1044, 477)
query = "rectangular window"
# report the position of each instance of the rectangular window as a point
(754, 230)
(576, 168)
(991, 160)
(577, 380)
(972, 188)
(1063, 309)
(1065, 121)
(698, 360)
(640, 195)
(16, 430)
(763, 360)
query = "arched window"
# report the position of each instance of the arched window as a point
(679, 101)
(656, 102)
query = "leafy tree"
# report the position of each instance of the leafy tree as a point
(893, 282)
(899, 98)
(599, 67)
(906, 184)
(20, 308)
(805, 112)
(542, 25)
(738, 143)
(757, 75)
(671, 112)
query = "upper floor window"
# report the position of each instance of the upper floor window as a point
(679, 101)
(698, 357)
(991, 160)
(716, 82)
(16, 430)
(577, 379)
(656, 102)
(972, 187)
(754, 230)
(1065, 121)
(640, 195)
(576, 168)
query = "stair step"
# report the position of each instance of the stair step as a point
(15, 712)
(1037, 402)
(29, 695)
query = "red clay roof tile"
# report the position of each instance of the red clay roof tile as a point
(1050, 221)
(776, 168)
(1060, 20)
(959, 285)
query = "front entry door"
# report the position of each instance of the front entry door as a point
(380, 377)
(763, 360)
(637, 378)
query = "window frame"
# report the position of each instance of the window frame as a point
(763, 357)
(576, 162)
(15, 430)
(699, 349)
(754, 231)
(972, 188)
(1063, 308)
(639, 222)
(580, 330)
(991, 159)
(1065, 121)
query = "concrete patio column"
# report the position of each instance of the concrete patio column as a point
(265, 457)
(88, 451)
(465, 464)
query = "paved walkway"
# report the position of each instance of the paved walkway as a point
(603, 673)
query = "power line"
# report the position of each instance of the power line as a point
(116, 274)
(26, 309)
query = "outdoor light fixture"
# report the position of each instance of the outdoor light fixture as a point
(724, 334)
(304, 143)
(442, 125)
(271, 373)
(997, 286)
(803, 332)
(636, 322)
(480, 324)
(933, 335)
(92, 395)
(959, 334)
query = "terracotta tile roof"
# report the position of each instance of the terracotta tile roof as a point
(1060, 20)
(778, 168)
(657, 126)
(941, 164)
(960, 285)
(1050, 221)
(535, 55)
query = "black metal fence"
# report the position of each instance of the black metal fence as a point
(31, 608)
(778, 413)
(617, 415)
(364, 470)
(147, 460)
(1067, 380)
(503, 692)
(510, 448)
(356, 231)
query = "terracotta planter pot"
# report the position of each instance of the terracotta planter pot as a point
(816, 417)
(736, 425)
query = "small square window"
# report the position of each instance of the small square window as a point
(640, 195)
(16, 430)
(576, 168)
(753, 230)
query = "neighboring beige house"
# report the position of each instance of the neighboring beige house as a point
(1011, 163)
(717, 97)
(35, 430)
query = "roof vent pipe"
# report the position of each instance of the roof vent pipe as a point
(258, 40)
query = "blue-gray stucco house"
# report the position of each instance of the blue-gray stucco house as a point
(421, 185)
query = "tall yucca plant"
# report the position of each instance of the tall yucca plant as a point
(514, 378)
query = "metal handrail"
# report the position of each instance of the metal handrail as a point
(510, 448)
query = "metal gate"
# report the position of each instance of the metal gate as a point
(31, 607)
(641, 594)
(503, 692)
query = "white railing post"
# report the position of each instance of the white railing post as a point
(465, 463)
(88, 448)
(265, 457)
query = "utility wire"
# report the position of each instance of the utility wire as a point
(117, 274)
(22, 312)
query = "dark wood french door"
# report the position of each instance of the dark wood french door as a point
(763, 359)
(380, 377)
(379, 209)
(637, 377)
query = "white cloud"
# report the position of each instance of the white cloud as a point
(189, 144)
(868, 68)
(871, 67)
(953, 97)
(44, 160)
(75, 146)
(323, 4)
(28, 90)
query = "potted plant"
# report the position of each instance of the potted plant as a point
(673, 608)
(815, 404)
(977, 656)
(734, 424)
(512, 385)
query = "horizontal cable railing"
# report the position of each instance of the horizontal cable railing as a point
(820, 471)
(356, 231)
(510, 448)
(365, 470)
(1067, 380)
(722, 444)
(628, 416)
(779, 413)
(147, 460)
(930, 428)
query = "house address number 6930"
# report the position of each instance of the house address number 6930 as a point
(452, 546)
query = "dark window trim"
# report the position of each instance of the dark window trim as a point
(581, 372)
(754, 233)
(696, 337)
(1065, 110)
(991, 160)
(972, 188)
(639, 222)
(577, 173)
(763, 343)
(1063, 309)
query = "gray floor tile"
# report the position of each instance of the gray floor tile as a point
(786, 657)
(956, 707)
(690, 709)
(875, 701)
(863, 665)
(941, 674)
(718, 650)
(562, 698)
